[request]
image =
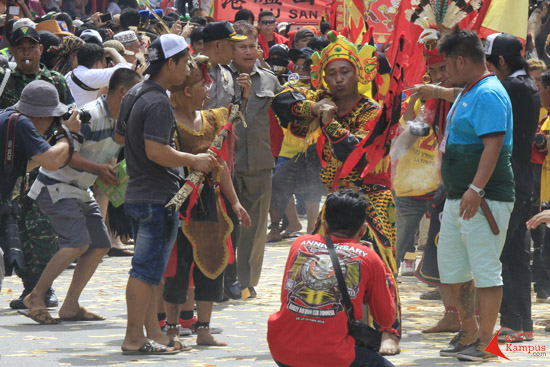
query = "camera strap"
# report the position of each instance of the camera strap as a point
(9, 156)
(340, 277)
(81, 84)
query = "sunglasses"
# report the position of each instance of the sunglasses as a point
(268, 22)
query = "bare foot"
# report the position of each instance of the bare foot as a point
(274, 235)
(291, 229)
(389, 345)
(205, 338)
(448, 324)
(34, 302)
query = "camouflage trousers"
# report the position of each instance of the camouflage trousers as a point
(38, 240)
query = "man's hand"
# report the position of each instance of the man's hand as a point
(424, 91)
(245, 83)
(186, 32)
(176, 28)
(316, 108)
(469, 204)
(204, 162)
(542, 217)
(242, 214)
(95, 19)
(107, 175)
(73, 123)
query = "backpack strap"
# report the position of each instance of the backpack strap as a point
(7, 74)
(9, 150)
(81, 84)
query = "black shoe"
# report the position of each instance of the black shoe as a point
(233, 291)
(253, 293)
(457, 345)
(17, 304)
(476, 353)
(116, 252)
(51, 299)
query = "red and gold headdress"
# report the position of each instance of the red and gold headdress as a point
(364, 60)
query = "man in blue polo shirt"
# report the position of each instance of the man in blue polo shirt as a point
(478, 178)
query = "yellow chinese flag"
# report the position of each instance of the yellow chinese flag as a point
(356, 21)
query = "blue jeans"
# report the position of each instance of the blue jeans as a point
(155, 228)
(409, 213)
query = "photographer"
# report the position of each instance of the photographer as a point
(21, 127)
(313, 312)
(65, 196)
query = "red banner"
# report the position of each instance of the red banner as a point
(293, 11)
(381, 15)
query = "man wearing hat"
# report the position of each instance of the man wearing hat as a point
(219, 44)
(21, 128)
(38, 238)
(147, 127)
(504, 55)
(302, 38)
(129, 40)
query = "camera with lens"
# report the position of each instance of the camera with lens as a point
(9, 237)
(83, 115)
(541, 141)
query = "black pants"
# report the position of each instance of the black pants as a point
(545, 251)
(175, 288)
(515, 310)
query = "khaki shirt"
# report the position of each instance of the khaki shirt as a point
(222, 92)
(253, 144)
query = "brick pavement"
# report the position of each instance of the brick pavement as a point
(24, 343)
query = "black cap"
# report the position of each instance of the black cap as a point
(222, 30)
(279, 50)
(25, 32)
(503, 44)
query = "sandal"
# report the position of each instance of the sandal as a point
(150, 348)
(174, 341)
(41, 316)
(81, 316)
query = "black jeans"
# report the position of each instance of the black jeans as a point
(364, 357)
(515, 310)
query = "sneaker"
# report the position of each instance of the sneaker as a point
(512, 336)
(233, 290)
(188, 324)
(50, 299)
(431, 295)
(543, 297)
(408, 267)
(458, 344)
(162, 325)
(476, 353)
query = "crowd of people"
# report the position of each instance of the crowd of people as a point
(184, 135)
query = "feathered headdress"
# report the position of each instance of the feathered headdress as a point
(364, 60)
(439, 16)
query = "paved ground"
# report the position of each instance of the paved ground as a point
(24, 343)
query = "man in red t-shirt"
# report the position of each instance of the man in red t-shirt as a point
(311, 328)
(268, 37)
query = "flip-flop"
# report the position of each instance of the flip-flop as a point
(182, 347)
(150, 348)
(41, 316)
(81, 316)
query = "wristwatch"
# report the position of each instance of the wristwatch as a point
(479, 192)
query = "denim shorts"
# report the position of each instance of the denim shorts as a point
(155, 228)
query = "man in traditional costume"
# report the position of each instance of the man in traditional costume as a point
(348, 119)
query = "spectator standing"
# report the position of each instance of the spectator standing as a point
(267, 36)
(147, 125)
(477, 173)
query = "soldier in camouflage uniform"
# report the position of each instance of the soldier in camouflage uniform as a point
(38, 239)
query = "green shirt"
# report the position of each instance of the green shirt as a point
(18, 81)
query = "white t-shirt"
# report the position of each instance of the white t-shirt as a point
(113, 8)
(93, 78)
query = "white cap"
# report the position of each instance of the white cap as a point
(23, 22)
(91, 33)
(125, 37)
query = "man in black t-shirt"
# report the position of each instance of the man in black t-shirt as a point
(146, 124)
(503, 53)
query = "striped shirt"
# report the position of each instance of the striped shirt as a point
(99, 147)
